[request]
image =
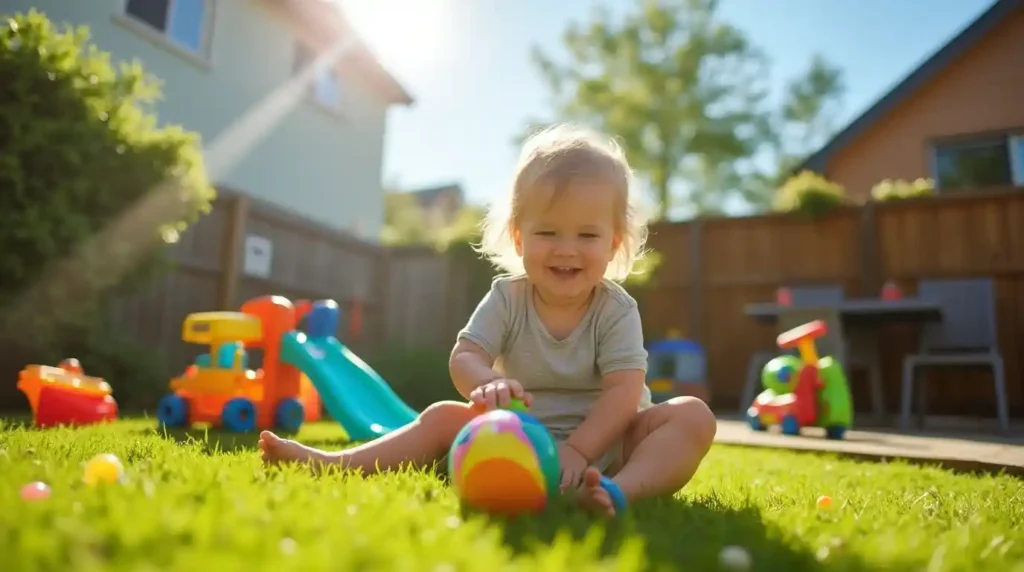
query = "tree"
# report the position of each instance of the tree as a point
(406, 223)
(91, 190)
(686, 94)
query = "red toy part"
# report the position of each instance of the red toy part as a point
(59, 406)
(805, 406)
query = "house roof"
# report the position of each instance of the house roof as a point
(965, 40)
(327, 12)
(427, 196)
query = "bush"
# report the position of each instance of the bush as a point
(91, 190)
(418, 375)
(809, 193)
(888, 189)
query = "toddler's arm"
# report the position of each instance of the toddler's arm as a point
(622, 362)
(479, 343)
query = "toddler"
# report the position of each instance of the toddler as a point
(558, 332)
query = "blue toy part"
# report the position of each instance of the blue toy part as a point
(322, 320)
(172, 411)
(289, 415)
(616, 494)
(225, 357)
(789, 425)
(754, 420)
(688, 359)
(238, 415)
(835, 432)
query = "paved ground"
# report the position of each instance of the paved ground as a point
(963, 448)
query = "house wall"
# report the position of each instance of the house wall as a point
(982, 91)
(322, 165)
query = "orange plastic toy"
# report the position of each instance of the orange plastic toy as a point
(64, 395)
(219, 390)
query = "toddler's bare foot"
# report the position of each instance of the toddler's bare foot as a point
(592, 496)
(279, 451)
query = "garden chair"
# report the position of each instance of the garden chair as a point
(966, 336)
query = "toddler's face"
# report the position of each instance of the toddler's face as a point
(566, 246)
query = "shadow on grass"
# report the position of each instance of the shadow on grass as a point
(217, 441)
(677, 535)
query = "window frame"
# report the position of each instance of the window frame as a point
(164, 36)
(1013, 140)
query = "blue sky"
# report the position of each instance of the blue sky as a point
(467, 64)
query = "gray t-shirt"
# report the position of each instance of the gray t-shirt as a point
(564, 375)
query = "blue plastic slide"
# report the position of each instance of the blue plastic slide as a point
(353, 394)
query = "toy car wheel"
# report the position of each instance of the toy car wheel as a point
(172, 411)
(835, 432)
(755, 422)
(289, 415)
(789, 425)
(239, 415)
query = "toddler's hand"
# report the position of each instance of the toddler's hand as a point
(498, 393)
(573, 466)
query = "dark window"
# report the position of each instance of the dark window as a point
(973, 164)
(152, 12)
(183, 21)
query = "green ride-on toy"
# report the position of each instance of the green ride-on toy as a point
(805, 391)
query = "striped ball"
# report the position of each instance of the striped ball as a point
(504, 462)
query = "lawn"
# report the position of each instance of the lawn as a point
(193, 501)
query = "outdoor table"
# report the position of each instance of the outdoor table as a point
(862, 311)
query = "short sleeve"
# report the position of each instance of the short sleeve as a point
(621, 342)
(489, 323)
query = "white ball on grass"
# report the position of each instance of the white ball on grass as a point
(734, 558)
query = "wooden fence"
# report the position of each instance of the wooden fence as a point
(712, 268)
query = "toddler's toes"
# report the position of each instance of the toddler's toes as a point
(592, 495)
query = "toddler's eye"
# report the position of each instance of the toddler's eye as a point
(545, 233)
(588, 235)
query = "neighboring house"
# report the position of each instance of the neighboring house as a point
(219, 58)
(440, 204)
(958, 118)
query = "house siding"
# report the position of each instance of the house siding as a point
(321, 165)
(981, 91)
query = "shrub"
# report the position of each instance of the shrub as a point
(809, 193)
(91, 189)
(888, 189)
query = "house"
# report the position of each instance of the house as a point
(440, 204)
(219, 58)
(958, 118)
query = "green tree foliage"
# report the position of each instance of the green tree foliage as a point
(91, 189)
(406, 224)
(687, 94)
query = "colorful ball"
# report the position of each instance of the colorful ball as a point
(504, 462)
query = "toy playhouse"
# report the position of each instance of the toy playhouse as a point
(676, 367)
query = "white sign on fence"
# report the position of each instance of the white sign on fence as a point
(259, 252)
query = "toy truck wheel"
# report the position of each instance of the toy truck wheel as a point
(238, 415)
(289, 415)
(789, 425)
(835, 432)
(754, 420)
(172, 411)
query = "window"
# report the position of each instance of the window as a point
(986, 162)
(182, 21)
(326, 85)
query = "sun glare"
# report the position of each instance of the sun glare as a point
(407, 35)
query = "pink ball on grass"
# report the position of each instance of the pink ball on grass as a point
(35, 491)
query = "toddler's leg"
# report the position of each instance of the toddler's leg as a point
(662, 449)
(419, 443)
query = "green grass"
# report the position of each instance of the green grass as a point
(192, 499)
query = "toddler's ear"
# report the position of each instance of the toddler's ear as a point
(616, 243)
(517, 240)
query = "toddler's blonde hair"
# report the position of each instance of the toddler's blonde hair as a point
(549, 161)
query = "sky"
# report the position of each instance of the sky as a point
(466, 63)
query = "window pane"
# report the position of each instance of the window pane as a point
(327, 90)
(186, 26)
(1017, 155)
(152, 12)
(973, 165)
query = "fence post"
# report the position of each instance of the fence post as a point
(696, 279)
(870, 257)
(232, 247)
